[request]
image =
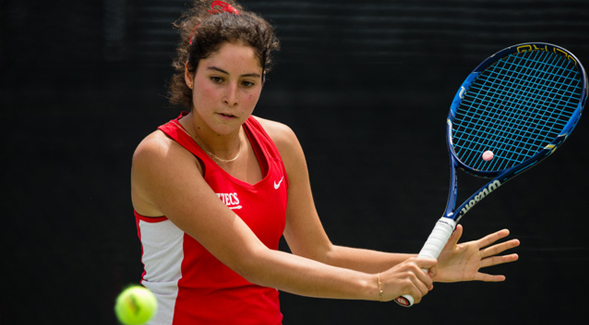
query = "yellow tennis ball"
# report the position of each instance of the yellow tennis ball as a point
(136, 305)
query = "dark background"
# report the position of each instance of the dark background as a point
(366, 85)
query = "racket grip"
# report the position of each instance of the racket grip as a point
(432, 248)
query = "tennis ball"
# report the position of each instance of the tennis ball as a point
(136, 305)
(488, 155)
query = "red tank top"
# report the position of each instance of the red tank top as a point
(191, 285)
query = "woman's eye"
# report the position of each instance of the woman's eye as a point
(217, 79)
(247, 84)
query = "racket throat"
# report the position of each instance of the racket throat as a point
(477, 197)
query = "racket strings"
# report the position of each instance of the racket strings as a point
(530, 123)
(519, 99)
(515, 108)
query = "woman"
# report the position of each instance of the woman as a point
(215, 189)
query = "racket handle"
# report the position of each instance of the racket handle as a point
(432, 248)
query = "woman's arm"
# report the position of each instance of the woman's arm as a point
(166, 180)
(306, 237)
(304, 232)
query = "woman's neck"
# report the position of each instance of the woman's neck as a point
(222, 148)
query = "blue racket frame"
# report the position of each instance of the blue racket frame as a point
(502, 176)
(533, 149)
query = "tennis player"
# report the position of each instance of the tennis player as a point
(216, 188)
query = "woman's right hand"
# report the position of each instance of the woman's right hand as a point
(408, 277)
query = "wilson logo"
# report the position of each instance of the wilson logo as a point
(482, 194)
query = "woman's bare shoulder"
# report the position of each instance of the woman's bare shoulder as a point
(158, 162)
(154, 144)
(157, 150)
(280, 133)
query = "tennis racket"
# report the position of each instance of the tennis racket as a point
(514, 110)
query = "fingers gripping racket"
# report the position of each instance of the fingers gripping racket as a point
(510, 113)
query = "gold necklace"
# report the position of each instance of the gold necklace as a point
(212, 155)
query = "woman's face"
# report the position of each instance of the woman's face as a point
(226, 87)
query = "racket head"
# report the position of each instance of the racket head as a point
(521, 103)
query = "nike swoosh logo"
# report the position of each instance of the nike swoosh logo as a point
(277, 185)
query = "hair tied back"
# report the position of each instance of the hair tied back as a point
(224, 6)
(216, 7)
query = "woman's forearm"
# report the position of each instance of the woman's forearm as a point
(302, 276)
(364, 260)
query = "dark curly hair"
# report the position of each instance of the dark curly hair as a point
(203, 31)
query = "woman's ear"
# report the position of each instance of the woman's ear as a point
(188, 76)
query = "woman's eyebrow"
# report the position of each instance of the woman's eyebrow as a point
(257, 75)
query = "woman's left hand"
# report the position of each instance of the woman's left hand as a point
(461, 262)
